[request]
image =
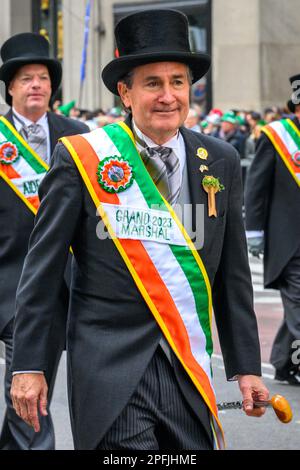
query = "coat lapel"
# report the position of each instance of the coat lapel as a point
(9, 117)
(193, 162)
(215, 168)
(55, 130)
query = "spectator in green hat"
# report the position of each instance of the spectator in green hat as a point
(66, 108)
(230, 132)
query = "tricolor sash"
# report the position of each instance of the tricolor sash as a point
(285, 136)
(158, 252)
(20, 166)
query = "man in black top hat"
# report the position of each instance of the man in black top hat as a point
(272, 221)
(139, 355)
(31, 78)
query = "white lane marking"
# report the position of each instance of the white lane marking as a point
(267, 300)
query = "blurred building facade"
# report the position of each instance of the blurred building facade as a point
(254, 45)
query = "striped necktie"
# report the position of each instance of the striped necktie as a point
(164, 168)
(36, 137)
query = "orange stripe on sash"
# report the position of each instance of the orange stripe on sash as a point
(10, 172)
(35, 201)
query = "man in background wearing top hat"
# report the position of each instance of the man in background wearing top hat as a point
(272, 203)
(139, 356)
(31, 77)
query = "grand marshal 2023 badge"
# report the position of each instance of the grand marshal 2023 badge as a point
(8, 153)
(115, 174)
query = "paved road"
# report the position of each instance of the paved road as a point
(241, 432)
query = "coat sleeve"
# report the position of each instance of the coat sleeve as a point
(259, 184)
(43, 272)
(233, 294)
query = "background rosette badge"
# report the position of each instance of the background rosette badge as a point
(115, 174)
(8, 153)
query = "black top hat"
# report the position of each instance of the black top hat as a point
(153, 36)
(23, 49)
(296, 93)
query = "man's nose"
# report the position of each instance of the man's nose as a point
(36, 82)
(167, 95)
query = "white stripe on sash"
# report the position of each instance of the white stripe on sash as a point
(285, 136)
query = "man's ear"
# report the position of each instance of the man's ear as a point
(9, 87)
(124, 95)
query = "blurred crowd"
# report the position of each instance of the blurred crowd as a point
(241, 128)
(93, 119)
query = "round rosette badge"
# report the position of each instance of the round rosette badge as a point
(8, 153)
(296, 158)
(115, 174)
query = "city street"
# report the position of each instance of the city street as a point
(241, 432)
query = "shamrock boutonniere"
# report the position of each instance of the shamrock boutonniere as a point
(212, 186)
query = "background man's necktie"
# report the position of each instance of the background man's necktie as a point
(164, 168)
(36, 137)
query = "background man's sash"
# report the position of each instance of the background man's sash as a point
(20, 166)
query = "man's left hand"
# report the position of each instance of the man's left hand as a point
(29, 396)
(253, 389)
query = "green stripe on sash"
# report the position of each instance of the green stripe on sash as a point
(291, 131)
(198, 286)
(29, 157)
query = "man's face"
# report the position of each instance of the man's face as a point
(30, 90)
(158, 98)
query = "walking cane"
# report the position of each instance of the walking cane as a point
(279, 404)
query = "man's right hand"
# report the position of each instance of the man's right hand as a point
(29, 397)
(256, 245)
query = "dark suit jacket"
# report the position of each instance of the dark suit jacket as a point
(112, 334)
(272, 202)
(17, 223)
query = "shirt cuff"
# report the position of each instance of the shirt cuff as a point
(27, 372)
(254, 233)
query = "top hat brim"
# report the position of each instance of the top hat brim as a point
(116, 69)
(9, 69)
